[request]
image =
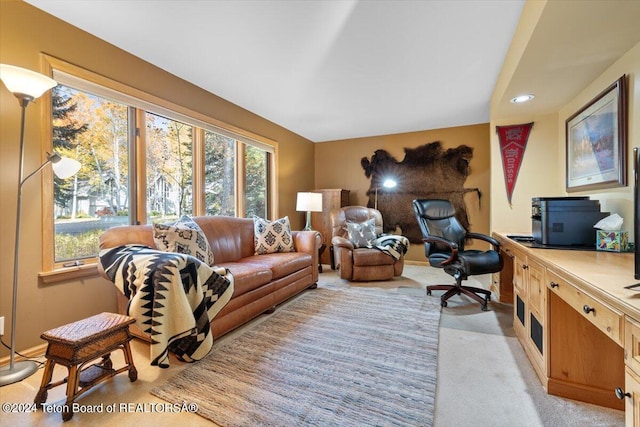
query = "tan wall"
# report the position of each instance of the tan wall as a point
(338, 166)
(538, 176)
(25, 32)
(543, 170)
(615, 200)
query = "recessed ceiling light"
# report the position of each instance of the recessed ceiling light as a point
(522, 98)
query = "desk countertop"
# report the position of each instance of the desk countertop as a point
(602, 274)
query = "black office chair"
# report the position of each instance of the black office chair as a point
(444, 240)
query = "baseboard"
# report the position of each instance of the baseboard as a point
(585, 393)
(30, 353)
(420, 263)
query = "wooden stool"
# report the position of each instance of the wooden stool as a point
(78, 343)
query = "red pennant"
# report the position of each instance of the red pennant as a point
(513, 140)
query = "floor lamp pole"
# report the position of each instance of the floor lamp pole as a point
(18, 371)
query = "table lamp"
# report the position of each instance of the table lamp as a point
(309, 202)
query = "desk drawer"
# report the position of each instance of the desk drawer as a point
(601, 316)
(632, 344)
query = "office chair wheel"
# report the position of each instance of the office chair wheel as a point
(484, 307)
(443, 303)
(428, 292)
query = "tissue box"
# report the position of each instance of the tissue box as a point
(612, 241)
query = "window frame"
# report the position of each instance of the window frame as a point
(139, 102)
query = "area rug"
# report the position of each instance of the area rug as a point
(334, 356)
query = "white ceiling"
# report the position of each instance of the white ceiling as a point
(325, 70)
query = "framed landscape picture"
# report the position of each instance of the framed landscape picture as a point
(596, 138)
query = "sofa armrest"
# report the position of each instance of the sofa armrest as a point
(309, 242)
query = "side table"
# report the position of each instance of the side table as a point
(75, 345)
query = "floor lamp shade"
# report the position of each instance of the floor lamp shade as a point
(64, 167)
(26, 85)
(309, 202)
(22, 82)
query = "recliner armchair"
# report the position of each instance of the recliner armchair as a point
(444, 243)
(360, 263)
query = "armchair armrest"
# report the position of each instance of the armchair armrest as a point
(342, 242)
(452, 245)
(489, 239)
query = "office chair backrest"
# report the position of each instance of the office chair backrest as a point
(436, 217)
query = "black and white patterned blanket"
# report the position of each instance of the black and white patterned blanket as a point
(172, 296)
(392, 244)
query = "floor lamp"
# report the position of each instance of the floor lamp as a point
(27, 85)
(388, 183)
(309, 202)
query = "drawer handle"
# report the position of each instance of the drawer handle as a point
(525, 266)
(620, 394)
(554, 284)
(588, 309)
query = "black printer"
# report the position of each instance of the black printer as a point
(565, 221)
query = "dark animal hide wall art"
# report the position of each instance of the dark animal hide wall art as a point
(426, 172)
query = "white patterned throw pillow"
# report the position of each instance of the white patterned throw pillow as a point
(362, 234)
(272, 236)
(184, 237)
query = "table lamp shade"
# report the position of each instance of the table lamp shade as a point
(309, 202)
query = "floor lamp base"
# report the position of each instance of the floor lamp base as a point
(20, 371)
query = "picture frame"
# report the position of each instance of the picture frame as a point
(596, 141)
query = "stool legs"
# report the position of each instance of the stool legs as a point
(128, 358)
(74, 382)
(72, 387)
(41, 396)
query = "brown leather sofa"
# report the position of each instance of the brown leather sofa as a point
(360, 264)
(260, 281)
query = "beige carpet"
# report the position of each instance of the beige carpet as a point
(337, 355)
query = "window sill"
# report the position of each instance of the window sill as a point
(69, 273)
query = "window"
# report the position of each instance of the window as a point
(143, 160)
(94, 131)
(256, 181)
(169, 168)
(219, 174)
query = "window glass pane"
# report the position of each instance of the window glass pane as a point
(256, 179)
(219, 174)
(93, 130)
(169, 168)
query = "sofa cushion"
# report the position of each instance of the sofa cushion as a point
(272, 236)
(364, 256)
(362, 234)
(247, 276)
(281, 265)
(183, 236)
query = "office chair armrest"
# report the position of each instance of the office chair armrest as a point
(342, 242)
(452, 245)
(489, 239)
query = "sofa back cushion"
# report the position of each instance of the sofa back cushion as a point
(127, 235)
(230, 238)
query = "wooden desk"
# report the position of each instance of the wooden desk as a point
(577, 323)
